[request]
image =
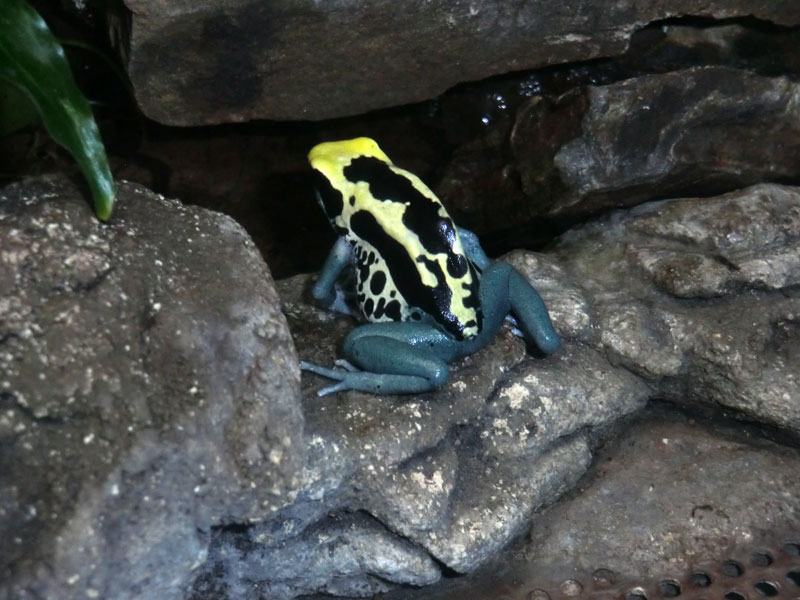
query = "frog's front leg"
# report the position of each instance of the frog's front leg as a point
(327, 290)
(504, 289)
(396, 358)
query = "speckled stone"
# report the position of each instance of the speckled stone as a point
(148, 391)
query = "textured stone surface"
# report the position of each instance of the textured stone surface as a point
(645, 313)
(426, 469)
(344, 554)
(675, 493)
(692, 300)
(706, 130)
(668, 496)
(139, 405)
(699, 297)
(697, 131)
(219, 61)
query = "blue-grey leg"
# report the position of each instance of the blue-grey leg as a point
(475, 252)
(503, 289)
(326, 290)
(396, 358)
(531, 312)
(472, 248)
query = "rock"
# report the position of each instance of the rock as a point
(692, 300)
(675, 46)
(645, 313)
(346, 554)
(236, 60)
(701, 131)
(665, 498)
(699, 297)
(149, 392)
(697, 131)
(674, 492)
(445, 472)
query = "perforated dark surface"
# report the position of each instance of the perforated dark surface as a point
(745, 574)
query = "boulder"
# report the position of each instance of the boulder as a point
(148, 392)
(219, 61)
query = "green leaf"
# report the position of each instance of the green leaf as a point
(16, 110)
(32, 60)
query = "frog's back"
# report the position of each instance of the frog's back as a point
(408, 254)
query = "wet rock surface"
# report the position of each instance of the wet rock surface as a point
(151, 417)
(139, 405)
(238, 60)
(707, 129)
(427, 470)
(594, 148)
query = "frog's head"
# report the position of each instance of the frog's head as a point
(329, 159)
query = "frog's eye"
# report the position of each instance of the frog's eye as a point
(328, 196)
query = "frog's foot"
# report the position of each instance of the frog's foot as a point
(350, 377)
(515, 326)
(336, 374)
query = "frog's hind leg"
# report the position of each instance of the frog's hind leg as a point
(396, 358)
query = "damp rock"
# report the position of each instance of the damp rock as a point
(641, 304)
(670, 495)
(235, 60)
(447, 473)
(664, 508)
(692, 300)
(675, 46)
(704, 130)
(572, 152)
(148, 392)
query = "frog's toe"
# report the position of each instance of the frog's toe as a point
(344, 376)
(515, 330)
(332, 389)
(346, 365)
(323, 371)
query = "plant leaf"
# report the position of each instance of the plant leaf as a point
(32, 59)
(16, 110)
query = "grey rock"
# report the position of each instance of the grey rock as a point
(445, 471)
(544, 401)
(674, 46)
(139, 405)
(659, 121)
(667, 496)
(345, 554)
(699, 297)
(671, 495)
(691, 300)
(461, 480)
(665, 135)
(235, 60)
(497, 495)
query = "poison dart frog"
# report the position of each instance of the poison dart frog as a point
(427, 288)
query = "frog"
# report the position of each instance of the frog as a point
(424, 288)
